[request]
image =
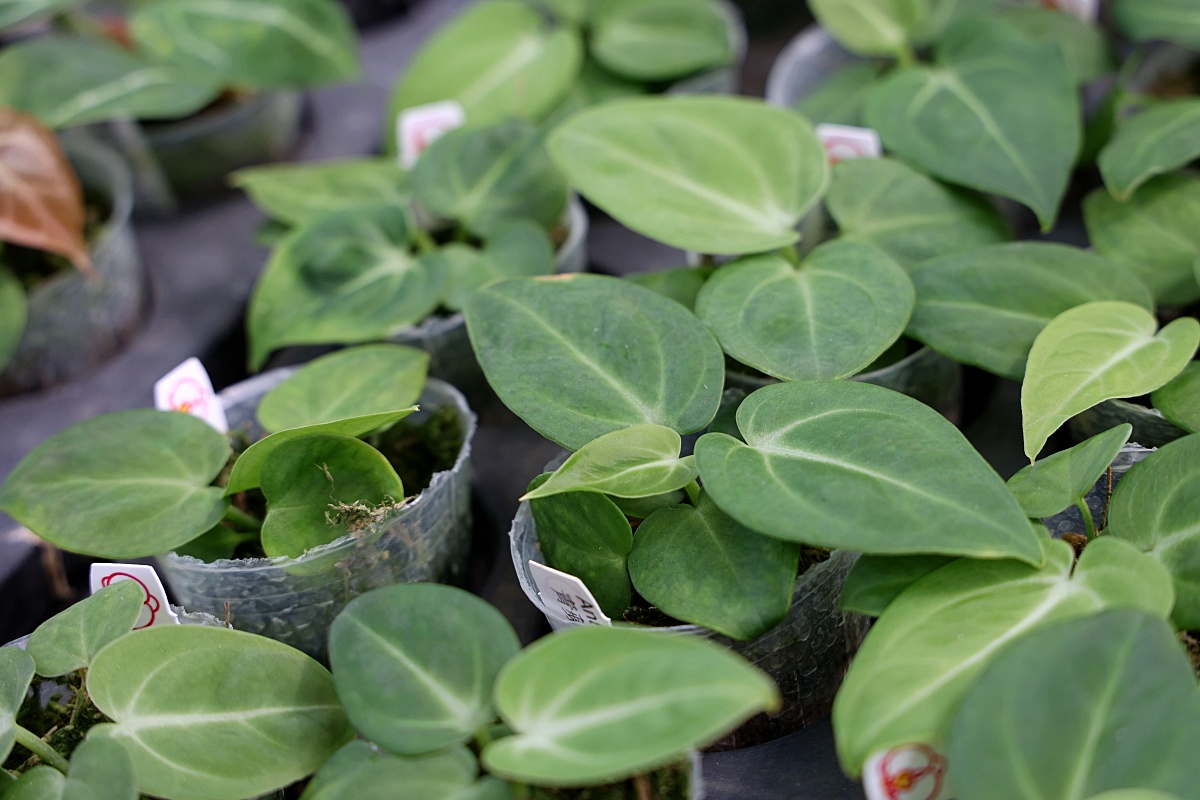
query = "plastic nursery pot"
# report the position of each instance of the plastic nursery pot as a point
(806, 655)
(720, 80)
(1070, 520)
(1149, 427)
(75, 322)
(294, 600)
(445, 337)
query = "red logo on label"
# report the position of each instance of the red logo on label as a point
(896, 781)
(189, 397)
(151, 602)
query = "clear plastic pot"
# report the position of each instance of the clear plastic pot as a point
(804, 65)
(294, 600)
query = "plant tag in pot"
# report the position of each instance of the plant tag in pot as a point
(155, 608)
(187, 388)
(566, 597)
(420, 126)
(1086, 10)
(907, 772)
(846, 142)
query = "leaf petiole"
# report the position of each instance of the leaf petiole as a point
(39, 748)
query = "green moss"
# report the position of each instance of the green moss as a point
(62, 722)
(420, 446)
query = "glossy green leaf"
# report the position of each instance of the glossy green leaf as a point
(1179, 400)
(1156, 506)
(415, 663)
(16, 12)
(987, 305)
(682, 284)
(71, 639)
(123, 485)
(1096, 352)
(259, 44)
(842, 98)
(930, 645)
(1047, 487)
(710, 174)
(909, 216)
(1155, 234)
(247, 468)
(40, 783)
(249, 714)
(362, 772)
(12, 314)
(346, 277)
(498, 59)
(16, 671)
(872, 27)
(638, 461)
(578, 356)
(1162, 138)
(659, 40)
(67, 81)
(305, 477)
(829, 318)
(998, 113)
(296, 193)
(1145, 20)
(875, 581)
(485, 176)
(356, 382)
(516, 249)
(586, 535)
(101, 769)
(597, 704)
(1128, 716)
(842, 464)
(1083, 44)
(699, 565)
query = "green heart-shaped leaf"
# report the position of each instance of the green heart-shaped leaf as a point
(1063, 479)
(986, 306)
(998, 113)
(711, 174)
(658, 40)
(1083, 44)
(516, 249)
(440, 649)
(1179, 400)
(71, 639)
(909, 216)
(1162, 138)
(578, 356)
(124, 485)
(304, 478)
(1156, 506)
(1145, 20)
(1130, 718)
(595, 704)
(360, 771)
(842, 464)
(16, 671)
(835, 314)
(699, 565)
(296, 193)
(356, 382)
(1096, 352)
(12, 314)
(101, 768)
(249, 714)
(930, 645)
(875, 581)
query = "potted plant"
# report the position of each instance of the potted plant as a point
(259, 528)
(71, 283)
(214, 90)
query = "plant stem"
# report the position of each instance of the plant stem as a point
(1086, 513)
(45, 752)
(693, 492)
(644, 790)
(242, 520)
(423, 240)
(790, 254)
(905, 57)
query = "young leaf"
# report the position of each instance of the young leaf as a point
(362, 772)
(1047, 487)
(1095, 352)
(595, 704)
(711, 174)
(101, 769)
(304, 477)
(659, 40)
(415, 663)
(12, 314)
(123, 485)
(841, 464)
(930, 645)
(998, 113)
(875, 581)
(909, 216)
(1130, 715)
(1179, 400)
(1084, 45)
(1162, 138)
(1156, 506)
(1145, 20)
(260, 44)
(701, 566)
(296, 193)
(373, 379)
(43, 208)
(638, 461)
(829, 318)
(71, 639)
(249, 714)
(987, 305)
(578, 356)
(586, 535)
(515, 249)
(16, 671)
(872, 27)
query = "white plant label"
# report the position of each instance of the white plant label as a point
(420, 126)
(566, 597)
(187, 388)
(155, 608)
(1086, 10)
(846, 142)
(908, 772)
